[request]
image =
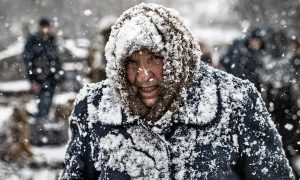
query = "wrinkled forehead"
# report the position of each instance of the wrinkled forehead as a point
(142, 53)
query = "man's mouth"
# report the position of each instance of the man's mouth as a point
(148, 92)
(148, 89)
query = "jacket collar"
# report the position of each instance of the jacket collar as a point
(199, 105)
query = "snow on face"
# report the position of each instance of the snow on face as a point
(144, 72)
(158, 29)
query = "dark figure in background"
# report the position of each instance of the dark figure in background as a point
(96, 61)
(280, 78)
(43, 66)
(293, 145)
(243, 58)
(294, 44)
(206, 56)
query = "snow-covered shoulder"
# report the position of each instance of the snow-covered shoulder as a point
(211, 91)
(233, 88)
(88, 90)
(100, 104)
(86, 104)
(241, 96)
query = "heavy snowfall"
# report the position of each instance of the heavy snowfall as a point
(223, 30)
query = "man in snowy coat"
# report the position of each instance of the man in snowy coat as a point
(43, 66)
(162, 114)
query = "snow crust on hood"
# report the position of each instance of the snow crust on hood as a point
(162, 31)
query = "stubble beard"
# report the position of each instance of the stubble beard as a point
(166, 95)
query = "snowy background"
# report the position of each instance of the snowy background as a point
(76, 22)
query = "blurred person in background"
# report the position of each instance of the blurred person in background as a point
(96, 61)
(206, 53)
(43, 67)
(294, 44)
(295, 68)
(244, 56)
(293, 146)
(280, 79)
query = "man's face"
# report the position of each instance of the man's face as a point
(46, 30)
(255, 44)
(144, 71)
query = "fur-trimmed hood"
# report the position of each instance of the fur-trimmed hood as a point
(160, 30)
(200, 104)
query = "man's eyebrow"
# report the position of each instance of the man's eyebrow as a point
(129, 60)
(157, 54)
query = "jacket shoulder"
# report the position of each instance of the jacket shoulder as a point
(234, 92)
(99, 104)
(88, 95)
(212, 93)
(90, 91)
(228, 82)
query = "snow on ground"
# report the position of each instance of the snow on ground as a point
(13, 172)
(12, 50)
(15, 86)
(63, 98)
(38, 174)
(72, 66)
(6, 113)
(47, 161)
(77, 47)
(50, 155)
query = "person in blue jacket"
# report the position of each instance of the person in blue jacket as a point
(163, 114)
(43, 66)
(244, 57)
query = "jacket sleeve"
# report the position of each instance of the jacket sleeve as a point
(232, 54)
(78, 164)
(261, 148)
(28, 56)
(59, 73)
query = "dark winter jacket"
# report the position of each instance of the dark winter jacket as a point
(280, 77)
(295, 68)
(243, 62)
(41, 58)
(207, 124)
(221, 131)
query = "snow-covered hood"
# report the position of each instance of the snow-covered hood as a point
(198, 107)
(160, 30)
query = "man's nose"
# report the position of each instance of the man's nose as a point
(144, 73)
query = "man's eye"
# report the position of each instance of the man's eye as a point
(130, 61)
(156, 59)
(155, 56)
